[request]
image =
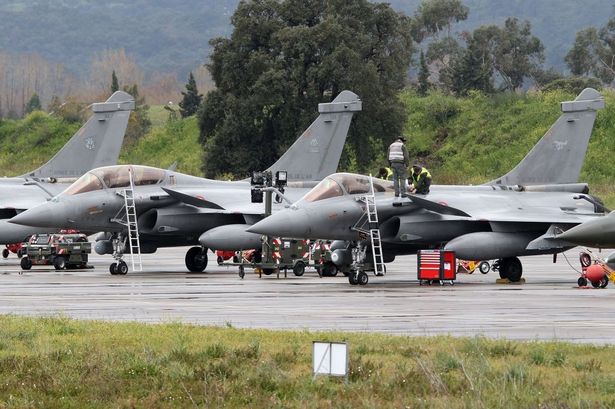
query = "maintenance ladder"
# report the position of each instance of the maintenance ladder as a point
(370, 218)
(130, 213)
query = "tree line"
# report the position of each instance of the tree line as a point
(285, 56)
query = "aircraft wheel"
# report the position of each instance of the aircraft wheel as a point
(329, 269)
(362, 278)
(5, 253)
(513, 269)
(196, 259)
(484, 267)
(582, 281)
(122, 268)
(113, 268)
(26, 263)
(353, 278)
(59, 263)
(299, 268)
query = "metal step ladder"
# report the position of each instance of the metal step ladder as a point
(368, 224)
(134, 244)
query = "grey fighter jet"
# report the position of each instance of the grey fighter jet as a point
(97, 143)
(174, 209)
(515, 215)
(593, 233)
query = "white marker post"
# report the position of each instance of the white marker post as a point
(330, 358)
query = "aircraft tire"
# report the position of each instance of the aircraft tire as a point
(511, 268)
(362, 278)
(113, 268)
(122, 268)
(352, 278)
(484, 267)
(5, 253)
(59, 263)
(196, 259)
(26, 263)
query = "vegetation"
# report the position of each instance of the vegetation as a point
(282, 59)
(58, 362)
(191, 100)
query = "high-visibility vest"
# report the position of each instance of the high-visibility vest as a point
(396, 153)
(415, 177)
(389, 173)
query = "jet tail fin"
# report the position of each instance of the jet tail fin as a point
(97, 143)
(316, 153)
(559, 155)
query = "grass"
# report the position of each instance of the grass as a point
(59, 362)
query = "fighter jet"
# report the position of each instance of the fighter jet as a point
(593, 233)
(174, 209)
(97, 143)
(515, 215)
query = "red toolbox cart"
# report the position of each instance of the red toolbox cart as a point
(436, 266)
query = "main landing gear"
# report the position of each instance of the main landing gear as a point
(196, 259)
(509, 268)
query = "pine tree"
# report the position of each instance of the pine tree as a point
(115, 85)
(192, 100)
(34, 104)
(423, 76)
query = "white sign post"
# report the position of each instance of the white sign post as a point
(330, 358)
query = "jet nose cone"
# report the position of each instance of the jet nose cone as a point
(287, 223)
(39, 216)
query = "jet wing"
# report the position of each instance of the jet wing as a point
(218, 200)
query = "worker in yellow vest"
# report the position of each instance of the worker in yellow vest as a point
(399, 161)
(385, 173)
(420, 179)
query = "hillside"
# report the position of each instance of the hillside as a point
(172, 35)
(461, 140)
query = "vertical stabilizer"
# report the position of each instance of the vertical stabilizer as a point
(559, 155)
(316, 153)
(96, 144)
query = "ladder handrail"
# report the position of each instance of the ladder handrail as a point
(134, 243)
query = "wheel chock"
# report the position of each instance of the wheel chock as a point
(507, 281)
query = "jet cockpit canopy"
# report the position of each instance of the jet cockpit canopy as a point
(340, 184)
(111, 177)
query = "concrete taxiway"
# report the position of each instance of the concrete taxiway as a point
(548, 306)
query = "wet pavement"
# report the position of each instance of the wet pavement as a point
(548, 306)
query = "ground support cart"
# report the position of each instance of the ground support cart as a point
(61, 250)
(436, 266)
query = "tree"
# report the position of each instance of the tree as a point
(191, 101)
(115, 86)
(423, 85)
(496, 56)
(34, 104)
(286, 56)
(593, 53)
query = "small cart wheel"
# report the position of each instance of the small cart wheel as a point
(582, 281)
(596, 284)
(484, 267)
(59, 263)
(220, 259)
(5, 253)
(299, 268)
(604, 282)
(585, 259)
(26, 263)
